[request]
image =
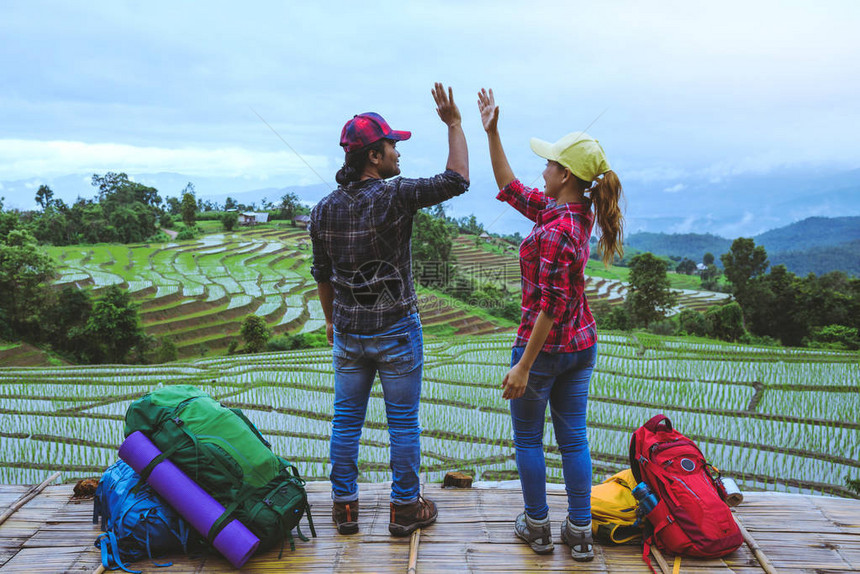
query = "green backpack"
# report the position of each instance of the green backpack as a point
(224, 453)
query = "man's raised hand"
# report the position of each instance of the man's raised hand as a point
(445, 106)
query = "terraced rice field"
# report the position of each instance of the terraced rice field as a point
(198, 292)
(773, 418)
(503, 269)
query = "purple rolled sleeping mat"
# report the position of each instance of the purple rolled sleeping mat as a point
(235, 542)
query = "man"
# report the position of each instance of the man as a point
(361, 246)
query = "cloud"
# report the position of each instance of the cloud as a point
(687, 226)
(675, 188)
(743, 227)
(652, 174)
(24, 158)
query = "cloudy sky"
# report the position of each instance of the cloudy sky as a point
(682, 94)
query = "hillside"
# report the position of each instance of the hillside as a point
(197, 292)
(811, 232)
(820, 260)
(815, 244)
(690, 245)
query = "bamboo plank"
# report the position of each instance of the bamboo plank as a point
(474, 533)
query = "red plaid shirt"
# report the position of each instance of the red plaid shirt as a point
(552, 263)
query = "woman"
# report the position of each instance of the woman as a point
(555, 350)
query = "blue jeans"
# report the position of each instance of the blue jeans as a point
(562, 380)
(397, 353)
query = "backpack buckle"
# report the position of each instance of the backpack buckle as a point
(268, 502)
(178, 421)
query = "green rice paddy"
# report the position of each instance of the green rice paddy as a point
(772, 418)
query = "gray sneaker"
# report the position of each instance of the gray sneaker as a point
(579, 539)
(536, 533)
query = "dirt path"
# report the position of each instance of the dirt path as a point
(170, 232)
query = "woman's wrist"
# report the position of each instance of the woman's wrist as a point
(524, 365)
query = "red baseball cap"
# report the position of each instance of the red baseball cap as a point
(364, 129)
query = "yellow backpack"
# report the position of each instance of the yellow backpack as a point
(613, 509)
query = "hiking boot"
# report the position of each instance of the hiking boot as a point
(345, 516)
(406, 518)
(579, 539)
(536, 533)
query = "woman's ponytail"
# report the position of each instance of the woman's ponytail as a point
(605, 196)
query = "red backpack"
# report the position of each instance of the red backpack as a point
(691, 517)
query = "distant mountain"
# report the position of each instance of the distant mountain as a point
(690, 245)
(816, 244)
(811, 232)
(820, 260)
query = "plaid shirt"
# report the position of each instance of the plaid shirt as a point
(361, 238)
(552, 263)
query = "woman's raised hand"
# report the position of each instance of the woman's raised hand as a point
(489, 110)
(445, 106)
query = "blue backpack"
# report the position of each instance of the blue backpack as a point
(137, 523)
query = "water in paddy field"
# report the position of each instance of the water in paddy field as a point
(70, 419)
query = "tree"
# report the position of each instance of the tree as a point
(708, 259)
(174, 206)
(743, 262)
(63, 321)
(126, 211)
(470, 225)
(255, 333)
(25, 275)
(113, 326)
(650, 297)
(289, 206)
(686, 266)
(118, 187)
(726, 322)
(8, 221)
(711, 277)
(432, 242)
(230, 203)
(229, 220)
(188, 207)
(44, 196)
(693, 323)
(835, 337)
(167, 351)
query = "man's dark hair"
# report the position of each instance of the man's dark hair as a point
(353, 164)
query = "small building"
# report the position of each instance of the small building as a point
(485, 236)
(302, 220)
(253, 218)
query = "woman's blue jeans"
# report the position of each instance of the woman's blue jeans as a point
(562, 380)
(397, 354)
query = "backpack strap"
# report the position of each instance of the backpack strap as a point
(310, 518)
(152, 514)
(97, 511)
(147, 470)
(227, 515)
(110, 553)
(656, 421)
(646, 554)
(247, 421)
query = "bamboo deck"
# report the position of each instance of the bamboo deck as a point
(799, 534)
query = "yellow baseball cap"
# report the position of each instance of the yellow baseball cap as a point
(578, 152)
